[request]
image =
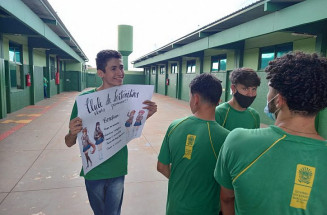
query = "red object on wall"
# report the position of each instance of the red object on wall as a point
(167, 81)
(28, 80)
(57, 78)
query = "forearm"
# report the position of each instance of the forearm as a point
(166, 173)
(227, 199)
(163, 169)
(70, 139)
(227, 207)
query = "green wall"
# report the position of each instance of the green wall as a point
(37, 83)
(93, 80)
(134, 78)
(72, 81)
(147, 76)
(173, 84)
(3, 102)
(306, 45)
(17, 98)
(223, 77)
(162, 83)
(153, 80)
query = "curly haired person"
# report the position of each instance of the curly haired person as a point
(280, 169)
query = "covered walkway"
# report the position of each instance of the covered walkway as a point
(40, 175)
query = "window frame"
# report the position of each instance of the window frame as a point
(147, 70)
(162, 70)
(153, 71)
(53, 67)
(218, 59)
(173, 67)
(19, 75)
(285, 48)
(190, 66)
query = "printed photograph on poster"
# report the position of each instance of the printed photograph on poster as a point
(111, 118)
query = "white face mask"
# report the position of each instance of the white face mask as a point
(268, 113)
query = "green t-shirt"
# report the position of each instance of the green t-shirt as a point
(230, 118)
(273, 172)
(191, 146)
(113, 167)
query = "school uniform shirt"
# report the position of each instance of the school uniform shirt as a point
(230, 118)
(191, 145)
(273, 172)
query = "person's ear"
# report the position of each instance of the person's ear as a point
(100, 73)
(233, 88)
(280, 101)
(196, 99)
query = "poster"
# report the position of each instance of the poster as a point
(111, 118)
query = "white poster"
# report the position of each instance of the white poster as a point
(111, 118)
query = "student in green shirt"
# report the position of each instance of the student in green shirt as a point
(280, 169)
(237, 113)
(189, 152)
(105, 183)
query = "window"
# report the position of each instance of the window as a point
(218, 63)
(15, 66)
(153, 71)
(190, 66)
(174, 68)
(147, 71)
(162, 70)
(270, 53)
(52, 68)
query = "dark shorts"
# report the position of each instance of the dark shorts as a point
(86, 148)
(98, 141)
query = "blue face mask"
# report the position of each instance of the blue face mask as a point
(271, 116)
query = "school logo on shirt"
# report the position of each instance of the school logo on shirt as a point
(190, 140)
(304, 179)
(305, 174)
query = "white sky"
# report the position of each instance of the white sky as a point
(94, 23)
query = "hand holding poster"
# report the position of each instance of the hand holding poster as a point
(111, 118)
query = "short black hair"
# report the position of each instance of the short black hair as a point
(246, 76)
(208, 87)
(302, 80)
(103, 57)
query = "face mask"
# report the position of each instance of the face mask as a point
(242, 100)
(271, 115)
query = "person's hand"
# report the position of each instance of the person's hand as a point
(75, 126)
(151, 107)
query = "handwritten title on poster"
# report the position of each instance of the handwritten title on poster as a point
(111, 118)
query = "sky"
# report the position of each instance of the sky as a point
(94, 23)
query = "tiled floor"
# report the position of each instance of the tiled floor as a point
(40, 175)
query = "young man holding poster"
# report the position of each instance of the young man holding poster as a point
(189, 152)
(105, 183)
